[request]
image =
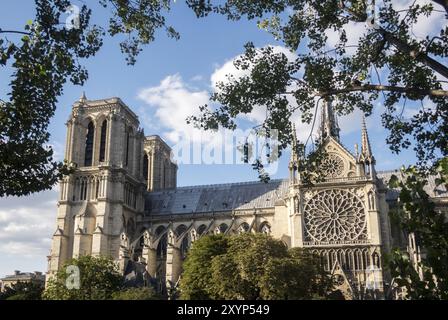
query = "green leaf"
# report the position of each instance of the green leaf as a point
(394, 182)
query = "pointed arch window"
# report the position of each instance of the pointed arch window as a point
(165, 173)
(103, 141)
(128, 139)
(145, 167)
(88, 156)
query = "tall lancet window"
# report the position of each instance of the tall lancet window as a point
(103, 141)
(145, 167)
(89, 145)
(128, 140)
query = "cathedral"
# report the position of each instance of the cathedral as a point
(122, 201)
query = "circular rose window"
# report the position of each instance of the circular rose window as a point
(334, 215)
(332, 166)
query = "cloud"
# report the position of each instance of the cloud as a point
(170, 103)
(221, 73)
(228, 68)
(173, 101)
(354, 31)
(425, 25)
(26, 227)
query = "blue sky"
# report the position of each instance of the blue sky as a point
(168, 80)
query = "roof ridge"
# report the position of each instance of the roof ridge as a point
(224, 184)
(388, 171)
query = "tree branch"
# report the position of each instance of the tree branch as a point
(378, 87)
(413, 53)
(443, 3)
(14, 31)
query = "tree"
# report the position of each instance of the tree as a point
(143, 293)
(249, 267)
(85, 278)
(418, 215)
(43, 56)
(195, 281)
(23, 290)
(388, 60)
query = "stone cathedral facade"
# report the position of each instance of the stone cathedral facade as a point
(122, 201)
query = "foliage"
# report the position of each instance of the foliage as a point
(249, 267)
(23, 290)
(43, 56)
(300, 276)
(388, 59)
(99, 279)
(195, 281)
(143, 293)
(418, 215)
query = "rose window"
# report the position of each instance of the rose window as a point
(332, 166)
(334, 216)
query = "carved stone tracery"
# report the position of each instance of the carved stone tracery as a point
(332, 216)
(332, 166)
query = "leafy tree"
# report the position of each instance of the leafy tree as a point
(387, 59)
(251, 266)
(195, 282)
(23, 290)
(299, 276)
(43, 57)
(143, 293)
(99, 279)
(418, 215)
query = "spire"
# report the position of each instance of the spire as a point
(294, 160)
(329, 125)
(366, 151)
(83, 97)
(294, 155)
(366, 159)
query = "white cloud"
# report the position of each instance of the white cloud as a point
(425, 26)
(228, 67)
(26, 227)
(173, 101)
(221, 73)
(354, 31)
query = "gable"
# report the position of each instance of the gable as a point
(340, 162)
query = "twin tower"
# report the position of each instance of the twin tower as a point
(115, 166)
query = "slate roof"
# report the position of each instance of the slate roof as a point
(431, 188)
(216, 197)
(242, 196)
(24, 276)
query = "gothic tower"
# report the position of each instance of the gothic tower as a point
(101, 201)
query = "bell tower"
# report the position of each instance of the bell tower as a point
(104, 195)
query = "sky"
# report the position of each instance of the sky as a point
(169, 81)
